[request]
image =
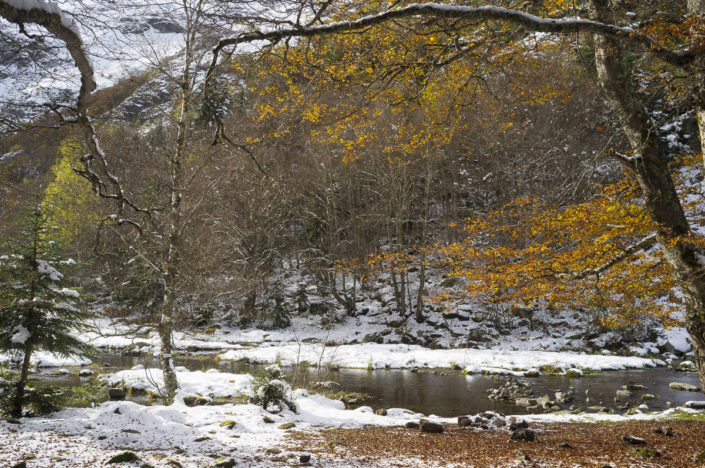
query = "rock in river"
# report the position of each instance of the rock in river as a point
(682, 387)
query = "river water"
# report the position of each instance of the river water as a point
(446, 393)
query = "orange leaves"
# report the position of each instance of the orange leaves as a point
(529, 252)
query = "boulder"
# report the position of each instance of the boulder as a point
(515, 424)
(695, 404)
(624, 394)
(633, 387)
(665, 430)
(631, 440)
(682, 387)
(124, 457)
(525, 434)
(117, 394)
(225, 463)
(431, 427)
(411, 425)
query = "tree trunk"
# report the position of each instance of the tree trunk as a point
(660, 198)
(16, 411)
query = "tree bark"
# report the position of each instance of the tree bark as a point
(648, 163)
(17, 403)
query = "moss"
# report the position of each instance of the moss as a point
(229, 424)
(679, 414)
(124, 457)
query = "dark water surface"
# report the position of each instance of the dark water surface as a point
(445, 393)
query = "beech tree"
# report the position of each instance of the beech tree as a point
(612, 42)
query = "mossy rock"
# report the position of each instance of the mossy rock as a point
(273, 451)
(267, 420)
(124, 457)
(573, 373)
(287, 425)
(648, 453)
(229, 424)
(225, 463)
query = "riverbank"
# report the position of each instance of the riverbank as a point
(178, 436)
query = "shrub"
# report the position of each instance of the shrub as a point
(270, 391)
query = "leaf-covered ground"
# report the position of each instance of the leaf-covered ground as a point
(588, 444)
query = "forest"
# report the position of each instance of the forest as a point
(352, 233)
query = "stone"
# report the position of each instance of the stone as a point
(19, 465)
(273, 451)
(464, 421)
(305, 458)
(381, 412)
(565, 445)
(631, 440)
(682, 387)
(525, 402)
(328, 386)
(624, 394)
(267, 420)
(229, 424)
(411, 425)
(431, 427)
(85, 373)
(687, 366)
(532, 373)
(124, 457)
(195, 400)
(287, 425)
(515, 424)
(117, 394)
(665, 430)
(648, 453)
(524, 434)
(695, 404)
(633, 387)
(647, 396)
(225, 463)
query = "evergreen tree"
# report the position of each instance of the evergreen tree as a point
(37, 310)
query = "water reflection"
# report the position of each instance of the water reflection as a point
(447, 393)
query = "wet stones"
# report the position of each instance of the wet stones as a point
(695, 404)
(633, 387)
(483, 421)
(117, 394)
(509, 389)
(682, 387)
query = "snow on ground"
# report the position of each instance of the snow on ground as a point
(118, 336)
(379, 356)
(45, 359)
(194, 436)
(197, 436)
(210, 383)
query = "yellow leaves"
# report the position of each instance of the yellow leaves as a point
(529, 251)
(69, 196)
